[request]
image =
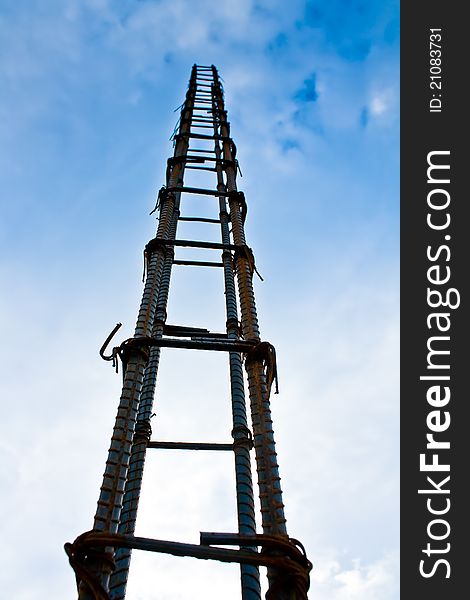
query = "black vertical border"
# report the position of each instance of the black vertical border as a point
(422, 132)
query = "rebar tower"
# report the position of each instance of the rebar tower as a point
(101, 557)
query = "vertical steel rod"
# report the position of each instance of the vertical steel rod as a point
(270, 493)
(250, 583)
(118, 580)
(107, 517)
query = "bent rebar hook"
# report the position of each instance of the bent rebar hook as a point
(112, 356)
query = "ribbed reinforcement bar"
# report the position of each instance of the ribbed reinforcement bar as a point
(270, 494)
(250, 579)
(119, 480)
(101, 558)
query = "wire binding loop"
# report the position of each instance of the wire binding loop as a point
(142, 431)
(240, 198)
(130, 347)
(244, 251)
(242, 436)
(81, 556)
(265, 353)
(155, 244)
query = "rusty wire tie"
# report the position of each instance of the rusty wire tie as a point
(152, 246)
(265, 353)
(172, 136)
(163, 195)
(178, 160)
(218, 88)
(129, 347)
(244, 251)
(181, 120)
(240, 198)
(226, 124)
(142, 431)
(232, 163)
(261, 351)
(286, 555)
(220, 114)
(245, 439)
(233, 152)
(233, 148)
(233, 324)
(78, 558)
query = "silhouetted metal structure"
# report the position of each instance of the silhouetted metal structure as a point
(101, 557)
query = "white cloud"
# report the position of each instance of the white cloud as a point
(378, 105)
(335, 581)
(383, 101)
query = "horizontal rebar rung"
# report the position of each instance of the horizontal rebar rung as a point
(201, 191)
(199, 219)
(232, 346)
(190, 446)
(197, 263)
(196, 244)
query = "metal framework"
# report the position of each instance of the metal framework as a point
(101, 557)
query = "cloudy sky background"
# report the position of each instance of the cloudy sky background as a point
(86, 110)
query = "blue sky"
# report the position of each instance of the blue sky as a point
(88, 93)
